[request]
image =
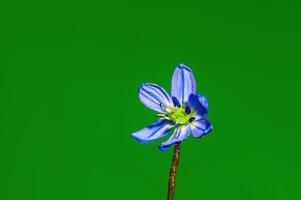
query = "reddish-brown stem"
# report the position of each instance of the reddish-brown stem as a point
(173, 172)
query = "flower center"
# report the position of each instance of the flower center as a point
(179, 116)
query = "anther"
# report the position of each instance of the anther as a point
(187, 110)
(176, 102)
(191, 119)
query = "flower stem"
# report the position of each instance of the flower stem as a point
(173, 171)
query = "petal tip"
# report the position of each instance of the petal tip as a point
(185, 67)
(140, 87)
(163, 148)
(143, 86)
(210, 129)
(139, 139)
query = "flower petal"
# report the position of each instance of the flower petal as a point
(194, 102)
(154, 97)
(153, 131)
(200, 127)
(183, 83)
(203, 101)
(180, 134)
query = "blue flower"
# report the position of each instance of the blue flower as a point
(183, 112)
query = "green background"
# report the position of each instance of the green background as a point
(69, 74)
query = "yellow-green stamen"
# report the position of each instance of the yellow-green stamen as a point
(178, 116)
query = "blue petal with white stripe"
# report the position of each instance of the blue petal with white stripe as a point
(154, 97)
(200, 127)
(183, 83)
(154, 131)
(180, 134)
